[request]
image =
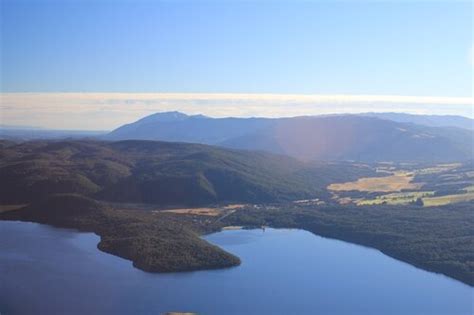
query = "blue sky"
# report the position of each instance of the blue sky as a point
(320, 47)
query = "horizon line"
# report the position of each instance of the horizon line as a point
(106, 111)
(459, 100)
(33, 128)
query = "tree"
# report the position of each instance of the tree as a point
(418, 202)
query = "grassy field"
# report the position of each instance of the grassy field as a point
(426, 196)
(395, 198)
(397, 182)
(438, 168)
(435, 185)
(448, 199)
(207, 211)
(194, 211)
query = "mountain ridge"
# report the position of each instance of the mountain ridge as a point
(360, 137)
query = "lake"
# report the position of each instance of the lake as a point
(45, 270)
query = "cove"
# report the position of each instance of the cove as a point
(46, 270)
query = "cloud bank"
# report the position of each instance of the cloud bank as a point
(106, 111)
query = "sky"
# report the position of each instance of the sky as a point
(318, 48)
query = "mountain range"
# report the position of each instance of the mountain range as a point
(364, 137)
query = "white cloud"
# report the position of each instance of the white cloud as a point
(104, 111)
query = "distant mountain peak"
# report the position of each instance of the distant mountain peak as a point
(200, 116)
(165, 117)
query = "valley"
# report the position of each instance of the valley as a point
(434, 185)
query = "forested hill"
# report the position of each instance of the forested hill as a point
(161, 173)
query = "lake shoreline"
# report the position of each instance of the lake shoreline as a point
(139, 236)
(150, 230)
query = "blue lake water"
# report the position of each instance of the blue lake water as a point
(45, 270)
